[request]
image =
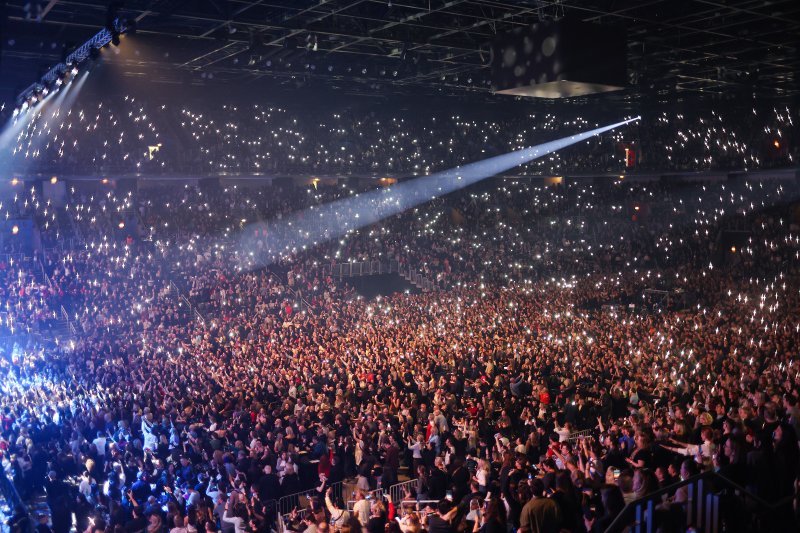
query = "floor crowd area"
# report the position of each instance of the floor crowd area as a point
(587, 345)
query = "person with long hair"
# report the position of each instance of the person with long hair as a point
(641, 456)
(613, 504)
(492, 518)
(155, 524)
(339, 515)
(235, 513)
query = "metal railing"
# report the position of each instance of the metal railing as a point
(293, 501)
(12, 259)
(289, 503)
(361, 268)
(63, 244)
(354, 269)
(9, 494)
(45, 276)
(416, 505)
(376, 494)
(703, 509)
(639, 515)
(577, 435)
(186, 301)
(297, 295)
(396, 491)
(72, 329)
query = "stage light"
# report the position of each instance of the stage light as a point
(15, 229)
(115, 38)
(74, 70)
(94, 53)
(54, 180)
(14, 181)
(121, 225)
(104, 181)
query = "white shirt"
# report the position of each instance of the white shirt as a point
(85, 488)
(416, 450)
(361, 509)
(100, 442)
(237, 522)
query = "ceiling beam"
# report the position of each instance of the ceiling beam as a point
(47, 8)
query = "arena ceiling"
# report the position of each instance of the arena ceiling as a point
(714, 47)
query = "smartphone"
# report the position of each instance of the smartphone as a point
(616, 474)
(449, 495)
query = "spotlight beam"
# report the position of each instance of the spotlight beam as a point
(18, 123)
(319, 224)
(64, 98)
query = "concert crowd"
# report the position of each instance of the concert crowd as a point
(587, 345)
(132, 135)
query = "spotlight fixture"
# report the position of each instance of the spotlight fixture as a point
(110, 34)
(94, 53)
